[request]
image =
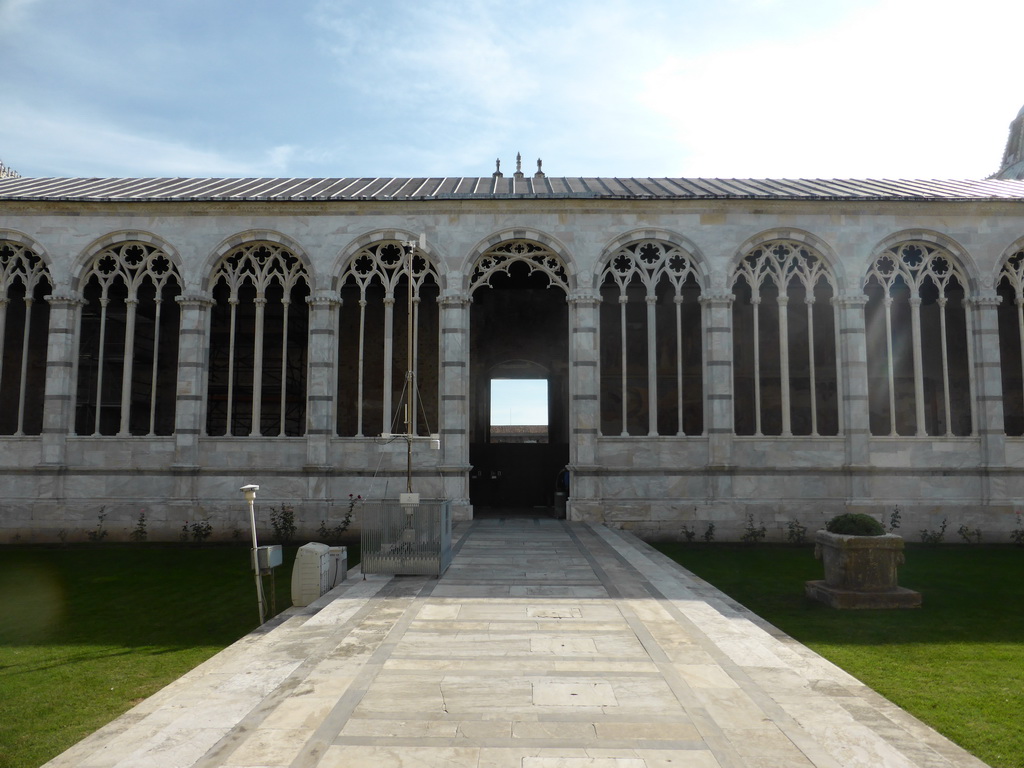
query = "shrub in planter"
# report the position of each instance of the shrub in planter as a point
(855, 524)
(861, 561)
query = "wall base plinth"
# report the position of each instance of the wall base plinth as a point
(846, 598)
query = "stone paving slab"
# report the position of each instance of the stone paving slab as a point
(547, 644)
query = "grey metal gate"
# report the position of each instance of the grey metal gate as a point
(411, 540)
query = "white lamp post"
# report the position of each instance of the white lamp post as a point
(250, 496)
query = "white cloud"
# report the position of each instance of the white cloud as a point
(43, 143)
(883, 94)
(14, 12)
(461, 83)
(425, 56)
(279, 158)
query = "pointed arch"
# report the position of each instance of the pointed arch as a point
(15, 239)
(112, 240)
(540, 253)
(930, 239)
(652, 381)
(830, 261)
(919, 357)
(242, 240)
(427, 250)
(25, 284)
(785, 365)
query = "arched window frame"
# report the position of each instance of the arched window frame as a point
(915, 263)
(651, 263)
(1011, 277)
(132, 264)
(20, 265)
(780, 263)
(385, 263)
(261, 264)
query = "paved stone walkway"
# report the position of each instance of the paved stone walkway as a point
(546, 645)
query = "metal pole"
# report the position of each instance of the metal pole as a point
(410, 252)
(408, 464)
(410, 382)
(250, 496)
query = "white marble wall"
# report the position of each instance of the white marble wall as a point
(58, 481)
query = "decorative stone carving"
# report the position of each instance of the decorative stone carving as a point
(500, 257)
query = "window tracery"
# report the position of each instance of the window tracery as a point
(784, 342)
(373, 340)
(1010, 287)
(24, 323)
(918, 352)
(498, 259)
(258, 343)
(651, 356)
(128, 346)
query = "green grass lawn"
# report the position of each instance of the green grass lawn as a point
(957, 663)
(88, 631)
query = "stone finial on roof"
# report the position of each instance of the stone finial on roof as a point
(540, 173)
(519, 166)
(8, 173)
(497, 169)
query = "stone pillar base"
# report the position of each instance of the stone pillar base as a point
(848, 598)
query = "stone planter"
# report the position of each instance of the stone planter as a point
(860, 572)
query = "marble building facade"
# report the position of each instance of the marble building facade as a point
(718, 351)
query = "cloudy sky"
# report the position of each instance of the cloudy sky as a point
(728, 88)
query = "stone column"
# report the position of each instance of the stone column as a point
(719, 416)
(853, 382)
(189, 408)
(584, 403)
(61, 378)
(987, 387)
(915, 331)
(719, 413)
(321, 386)
(454, 406)
(190, 397)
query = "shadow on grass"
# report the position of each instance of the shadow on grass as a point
(969, 592)
(30, 666)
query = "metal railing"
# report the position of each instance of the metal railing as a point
(414, 540)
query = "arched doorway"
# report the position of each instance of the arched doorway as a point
(519, 324)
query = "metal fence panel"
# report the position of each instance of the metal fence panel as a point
(409, 541)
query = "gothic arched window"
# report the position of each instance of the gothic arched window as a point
(373, 341)
(258, 343)
(128, 345)
(917, 343)
(652, 379)
(1011, 342)
(784, 342)
(24, 324)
